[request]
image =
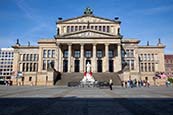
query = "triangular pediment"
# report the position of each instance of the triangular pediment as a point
(88, 33)
(88, 18)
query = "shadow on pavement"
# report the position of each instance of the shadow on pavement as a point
(86, 106)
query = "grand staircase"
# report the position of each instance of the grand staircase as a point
(76, 77)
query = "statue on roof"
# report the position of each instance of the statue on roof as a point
(17, 42)
(88, 11)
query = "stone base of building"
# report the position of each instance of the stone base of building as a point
(34, 79)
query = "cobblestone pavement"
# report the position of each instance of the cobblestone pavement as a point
(27, 100)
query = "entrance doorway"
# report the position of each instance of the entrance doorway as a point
(111, 65)
(77, 65)
(65, 65)
(99, 65)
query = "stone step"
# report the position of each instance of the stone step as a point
(77, 77)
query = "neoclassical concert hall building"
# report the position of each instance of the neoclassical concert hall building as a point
(86, 38)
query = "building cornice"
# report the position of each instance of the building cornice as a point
(66, 20)
(128, 41)
(25, 47)
(46, 41)
(145, 47)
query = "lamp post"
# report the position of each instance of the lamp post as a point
(139, 67)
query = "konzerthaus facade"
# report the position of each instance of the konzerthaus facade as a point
(87, 38)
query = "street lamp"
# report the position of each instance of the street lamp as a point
(139, 67)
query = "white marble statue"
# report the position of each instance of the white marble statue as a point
(88, 67)
(88, 75)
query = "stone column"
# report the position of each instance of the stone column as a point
(94, 64)
(106, 57)
(119, 57)
(60, 59)
(57, 57)
(69, 57)
(82, 58)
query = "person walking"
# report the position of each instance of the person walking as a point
(110, 84)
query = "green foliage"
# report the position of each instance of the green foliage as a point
(170, 79)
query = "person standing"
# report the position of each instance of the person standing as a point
(110, 84)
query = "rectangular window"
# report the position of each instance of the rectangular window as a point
(48, 64)
(30, 78)
(131, 53)
(65, 54)
(148, 57)
(35, 57)
(27, 67)
(123, 53)
(111, 53)
(31, 57)
(128, 64)
(152, 57)
(145, 67)
(23, 67)
(49, 53)
(35, 67)
(127, 53)
(145, 57)
(132, 64)
(30, 66)
(24, 57)
(88, 53)
(149, 67)
(76, 54)
(142, 67)
(99, 54)
(153, 69)
(44, 65)
(141, 58)
(27, 57)
(53, 53)
(44, 53)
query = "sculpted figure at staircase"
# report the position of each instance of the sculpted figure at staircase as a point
(88, 75)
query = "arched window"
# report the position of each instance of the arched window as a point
(24, 57)
(27, 56)
(104, 29)
(68, 29)
(72, 28)
(108, 29)
(76, 28)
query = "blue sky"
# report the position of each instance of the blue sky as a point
(30, 20)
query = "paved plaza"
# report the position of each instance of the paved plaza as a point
(56, 100)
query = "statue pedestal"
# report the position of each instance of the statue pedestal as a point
(88, 78)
